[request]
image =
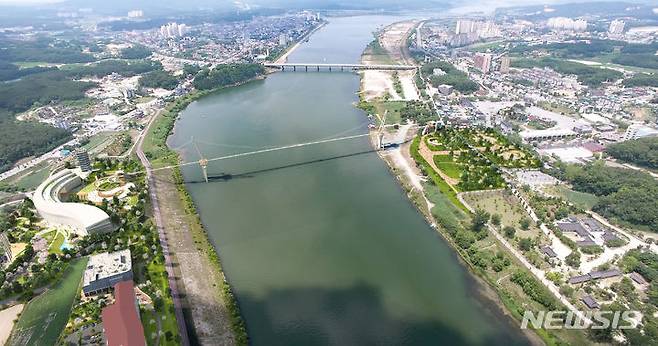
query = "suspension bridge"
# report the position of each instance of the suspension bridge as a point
(204, 161)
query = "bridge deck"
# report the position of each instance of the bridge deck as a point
(340, 66)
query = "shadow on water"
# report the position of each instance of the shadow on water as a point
(227, 176)
(349, 316)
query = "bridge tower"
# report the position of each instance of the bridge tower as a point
(380, 133)
(204, 168)
(203, 162)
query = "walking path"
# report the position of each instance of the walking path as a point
(538, 273)
(178, 309)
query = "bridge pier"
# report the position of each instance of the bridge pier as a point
(329, 68)
(306, 67)
(341, 69)
(318, 68)
(294, 68)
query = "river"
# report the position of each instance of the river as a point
(320, 244)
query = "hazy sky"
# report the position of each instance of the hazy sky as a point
(26, 2)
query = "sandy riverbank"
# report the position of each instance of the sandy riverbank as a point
(284, 57)
(389, 50)
(7, 318)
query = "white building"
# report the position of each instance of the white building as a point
(283, 40)
(106, 269)
(136, 14)
(635, 131)
(564, 23)
(616, 27)
(83, 219)
(173, 30)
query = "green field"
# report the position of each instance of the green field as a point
(45, 316)
(451, 169)
(580, 199)
(55, 246)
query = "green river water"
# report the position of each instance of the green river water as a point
(320, 244)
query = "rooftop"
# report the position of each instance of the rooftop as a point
(121, 320)
(105, 265)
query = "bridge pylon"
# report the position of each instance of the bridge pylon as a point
(204, 168)
(203, 162)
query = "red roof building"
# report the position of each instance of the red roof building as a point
(121, 320)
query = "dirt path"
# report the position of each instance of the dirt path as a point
(7, 317)
(203, 299)
(428, 155)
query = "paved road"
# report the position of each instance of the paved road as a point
(178, 306)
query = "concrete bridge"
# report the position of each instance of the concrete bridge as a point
(336, 67)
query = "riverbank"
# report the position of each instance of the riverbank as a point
(405, 169)
(284, 55)
(210, 306)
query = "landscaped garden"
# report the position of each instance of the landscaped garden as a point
(470, 158)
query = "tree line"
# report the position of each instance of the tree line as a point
(642, 151)
(625, 195)
(224, 75)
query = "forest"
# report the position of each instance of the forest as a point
(135, 52)
(642, 79)
(224, 75)
(9, 71)
(21, 139)
(42, 50)
(625, 195)
(622, 53)
(158, 79)
(642, 151)
(458, 79)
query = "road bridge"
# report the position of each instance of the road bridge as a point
(337, 67)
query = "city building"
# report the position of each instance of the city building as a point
(482, 61)
(83, 160)
(106, 269)
(173, 30)
(81, 218)
(483, 29)
(563, 23)
(504, 64)
(135, 14)
(635, 131)
(616, 27)
(283, 40)
(121, 322)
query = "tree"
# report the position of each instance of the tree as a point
(509, 231)
(495, 220)
(480, 219)
(573, 259)
(524, 223)
(525, 244)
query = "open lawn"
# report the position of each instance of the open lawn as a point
(580, 199)
(56, 245)
(98, 140)
(45, 316)
(451, 169)
(498, 202)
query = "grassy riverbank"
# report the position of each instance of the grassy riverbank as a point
(161, 155)
(479, 254)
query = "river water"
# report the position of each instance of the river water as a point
(320, 244)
